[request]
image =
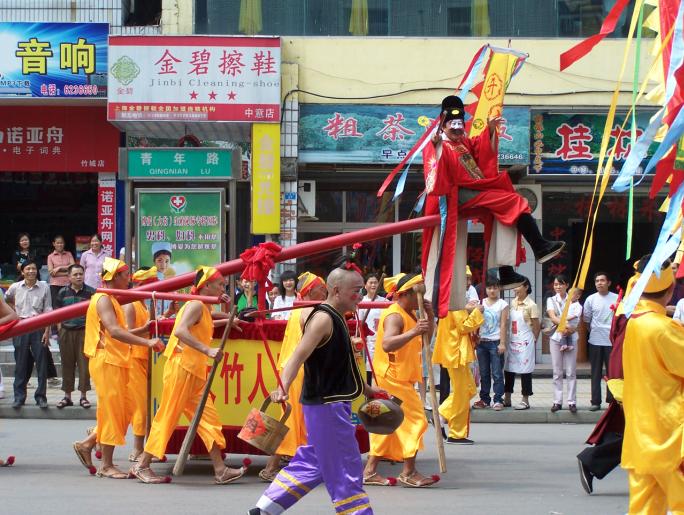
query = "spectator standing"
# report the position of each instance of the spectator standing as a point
(492, 345)
(471, 291)
(371, 316)
(91, 261)
(30, 297)
(58, 264)
(679, 312)
(566, 360)
(287, 294)
(678, 294)
(598, 316)
(248, 298)
(525, 328)
(23, 253)
(71, 338)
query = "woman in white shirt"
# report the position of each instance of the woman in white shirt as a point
(286, 295)
(566, 360)
(371, 316)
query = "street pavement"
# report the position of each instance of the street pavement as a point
(513, 469)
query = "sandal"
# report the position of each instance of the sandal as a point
(111, 473)
(84, 456)
(147, 476)
(85, 403)
(377, 480)
(268, 477)
(522, 405)
(133, 457)
(410, 482)
(8, 462)
(224, 479)
(66, 401)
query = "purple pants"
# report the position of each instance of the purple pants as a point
(331, 457)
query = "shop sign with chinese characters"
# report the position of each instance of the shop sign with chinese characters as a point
(57, 139)
(106, 214)
(180, 163)
(569, 144)
(383, 134)
(265, 178)
(194, 78)
(53, 59)
(189, 221)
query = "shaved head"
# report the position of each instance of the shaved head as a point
(344, 287)
(341, 277)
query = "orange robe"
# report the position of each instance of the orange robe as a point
(110, 362)
(185, 376)
(296, 436)
(137, 378)
(397, 372)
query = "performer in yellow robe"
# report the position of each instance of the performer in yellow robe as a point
(454, 351)
(309, 287)
(108, 345)
(185, 376)
(137, 317)
(653, 402)
(398, 367)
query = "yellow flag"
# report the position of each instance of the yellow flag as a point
(490, 105)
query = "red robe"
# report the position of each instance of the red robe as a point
(472, 164)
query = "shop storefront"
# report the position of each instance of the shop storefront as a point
(56, 147)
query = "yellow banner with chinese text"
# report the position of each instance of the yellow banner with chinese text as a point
(243, 380)
(265, 178)
(490, 105)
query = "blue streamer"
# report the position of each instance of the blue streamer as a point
(637, 154)
(673, 134)
(668, 242)
(420, 202)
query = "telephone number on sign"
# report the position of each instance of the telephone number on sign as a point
(80, 89)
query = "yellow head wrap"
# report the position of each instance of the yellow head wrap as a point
(145, 276)
(401, 283)
(209, 273)
(468, 272)
(307, 282)
(111, 266)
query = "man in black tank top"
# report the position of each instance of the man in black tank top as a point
(331, 382)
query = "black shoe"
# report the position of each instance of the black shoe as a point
(459, 441)
(586, 477)
(544, 250)
(42, 404)
(254, 511)
(572, 408)
(595, 407)
(548, 250)
(17, 404)
(444, 435)
(555, 408)
(509, 278)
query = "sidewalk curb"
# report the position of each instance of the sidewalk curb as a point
(52, 413)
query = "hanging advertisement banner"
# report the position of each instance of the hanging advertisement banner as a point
(383, 134)
(569, 144)
(265, 178)
(57, 139)
(186, 223)
(53, 59)
(194, 78)
(106, 213)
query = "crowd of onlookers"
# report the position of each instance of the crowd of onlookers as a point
(505, 344)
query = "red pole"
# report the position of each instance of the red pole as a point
(236, 265)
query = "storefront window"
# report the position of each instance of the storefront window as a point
(365, 206)
(428, 18)
(329, 206)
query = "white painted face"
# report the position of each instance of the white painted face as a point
(456, 124)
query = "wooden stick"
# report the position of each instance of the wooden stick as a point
(179, 467)
(437, 423)
(135, 294)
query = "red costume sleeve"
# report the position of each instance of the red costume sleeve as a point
(437, 171)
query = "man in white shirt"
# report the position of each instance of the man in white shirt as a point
(371, 316)
(30, 297)
(598, 317)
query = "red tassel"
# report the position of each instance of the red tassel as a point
(163, 459)
(246, 462)
(392, 481)
(167, 479)
(436, 478)
(10, 460)
(98, 455)
(92, 470)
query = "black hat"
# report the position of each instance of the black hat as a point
(452, 108)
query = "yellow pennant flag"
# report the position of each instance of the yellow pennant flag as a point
(499, 73)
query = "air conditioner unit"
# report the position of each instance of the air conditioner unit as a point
(533, 194)
(306, 198)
